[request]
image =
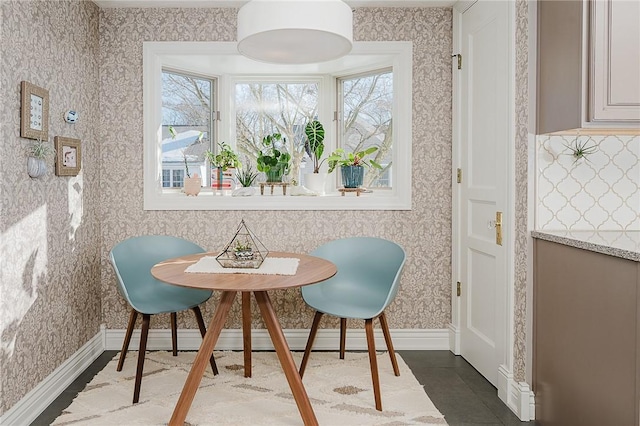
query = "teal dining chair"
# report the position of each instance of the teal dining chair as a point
(366, 283)
(132, 261)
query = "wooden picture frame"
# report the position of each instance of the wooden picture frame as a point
(68, 156)
(34, 111)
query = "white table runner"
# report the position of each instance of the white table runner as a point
(270, 266)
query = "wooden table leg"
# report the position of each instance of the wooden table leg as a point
(246, 331)
(286, 359)
(202, 359)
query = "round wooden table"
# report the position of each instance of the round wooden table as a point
(310, 270)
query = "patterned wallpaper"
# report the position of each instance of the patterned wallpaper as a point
(424, 300)
(49, 227)
(521, 201)
(599, 192)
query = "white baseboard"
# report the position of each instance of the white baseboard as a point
(327, 339)
(516, 395)
(40, 397)
(454, 339)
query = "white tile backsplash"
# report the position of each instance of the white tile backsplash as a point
(599, 192)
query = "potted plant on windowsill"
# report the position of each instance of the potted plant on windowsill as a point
(314, 147)
(352, 165)
(224, 160)
(37, 154)
(274, 161)
(192, 185)
(245, 176)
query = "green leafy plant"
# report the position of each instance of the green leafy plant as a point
(40, 149)
(224, 159)
(581, 150)
(271, 160)
(340, 157)
(243, 251)
(243, 247)
(315, 143)
(246, 176)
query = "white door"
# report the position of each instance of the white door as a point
(484, 141)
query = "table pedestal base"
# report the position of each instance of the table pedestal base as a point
(209, 342)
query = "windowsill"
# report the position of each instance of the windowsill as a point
(222, 200)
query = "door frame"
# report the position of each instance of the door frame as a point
(515, 395)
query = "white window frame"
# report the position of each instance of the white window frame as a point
(188, 57)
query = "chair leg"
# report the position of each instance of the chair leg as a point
(387, 339)
(343, 336)
(246, 332)
(141, 354)
(127, 338)
(371, 344)
(203, 331)
(174, 333)
(312, 336)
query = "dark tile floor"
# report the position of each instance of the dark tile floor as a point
(455, 387)
(459, 392)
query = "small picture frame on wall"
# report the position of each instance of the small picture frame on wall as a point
(68, 156)
(34, 112)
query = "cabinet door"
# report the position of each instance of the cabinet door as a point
(585, 350)
(559, 66)
(615, 65)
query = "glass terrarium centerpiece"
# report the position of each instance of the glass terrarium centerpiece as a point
(243, 251)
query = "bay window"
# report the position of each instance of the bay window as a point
(198, 95)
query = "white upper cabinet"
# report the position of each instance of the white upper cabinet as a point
(588, 65)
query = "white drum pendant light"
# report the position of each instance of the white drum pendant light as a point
(295, 31)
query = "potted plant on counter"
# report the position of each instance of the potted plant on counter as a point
(273, 159)
(352, 165)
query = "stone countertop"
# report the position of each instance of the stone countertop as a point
(624, 244)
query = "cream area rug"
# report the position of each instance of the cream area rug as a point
(340, 392)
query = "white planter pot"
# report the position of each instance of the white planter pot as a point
(244, 191)
(36, 167)
(316, 182)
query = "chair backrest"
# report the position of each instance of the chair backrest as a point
(132, 260)
(368, 267)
